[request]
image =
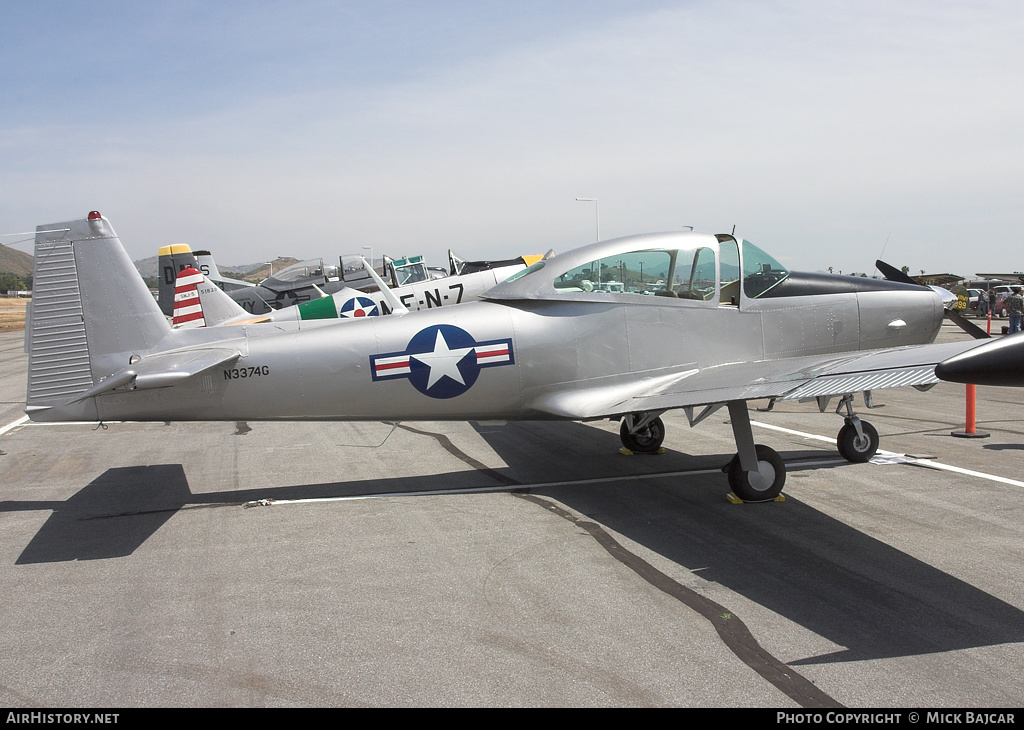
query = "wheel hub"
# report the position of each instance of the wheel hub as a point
(763, 478)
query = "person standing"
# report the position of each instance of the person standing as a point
(1015, 309)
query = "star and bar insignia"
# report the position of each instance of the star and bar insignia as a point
(442, 361)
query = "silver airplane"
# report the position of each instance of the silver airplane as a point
(624, 329)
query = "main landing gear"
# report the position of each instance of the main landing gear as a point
(757, 473)
(642, 433)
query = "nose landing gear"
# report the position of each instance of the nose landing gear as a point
(858, 440)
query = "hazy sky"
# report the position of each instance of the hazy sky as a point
(828, 133)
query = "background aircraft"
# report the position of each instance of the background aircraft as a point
(198, 302)
(417, 286)
(589, 334)
(179, 256)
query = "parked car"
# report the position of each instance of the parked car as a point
(972, 298)
(1002, 291)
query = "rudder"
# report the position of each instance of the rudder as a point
(172, 260)
(90, 313)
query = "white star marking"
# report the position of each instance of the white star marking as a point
(443, 361)
(359, 310)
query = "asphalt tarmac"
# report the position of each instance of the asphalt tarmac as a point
(511, 565)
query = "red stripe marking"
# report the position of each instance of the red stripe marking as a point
(393, 365)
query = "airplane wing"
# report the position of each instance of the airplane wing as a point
(786, 379)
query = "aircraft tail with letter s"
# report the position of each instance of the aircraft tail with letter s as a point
(171, 261)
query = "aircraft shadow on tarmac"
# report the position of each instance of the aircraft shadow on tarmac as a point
(794, 560)
(797, 561)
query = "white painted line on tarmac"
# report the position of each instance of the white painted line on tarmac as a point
(13, 425)
(906, 459)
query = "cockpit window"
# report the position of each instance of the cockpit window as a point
(409, 270)
(760, 271)
(300, 271)
(636, 272)
(682, 274)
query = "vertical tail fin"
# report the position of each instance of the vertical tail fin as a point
(188, 307)
(91, 312)
(206, 264)
(199, 302)
(172, 259)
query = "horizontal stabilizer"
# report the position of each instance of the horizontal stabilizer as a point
(163, 370)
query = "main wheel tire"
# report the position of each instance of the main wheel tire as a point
(855, 448)
(647, 440)
(763, 485)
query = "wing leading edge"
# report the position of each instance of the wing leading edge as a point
(786, 379)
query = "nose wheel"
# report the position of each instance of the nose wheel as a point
(858, 440)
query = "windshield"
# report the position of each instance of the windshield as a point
(760, 271)
(301, 270)
(528, 270)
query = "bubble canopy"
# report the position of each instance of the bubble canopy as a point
(694, 267)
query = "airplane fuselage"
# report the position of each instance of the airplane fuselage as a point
(510, 357)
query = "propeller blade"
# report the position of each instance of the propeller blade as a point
(966, 325)
(893, 274)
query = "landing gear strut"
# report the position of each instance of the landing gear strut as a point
(858, 440)
(757, 473)
(762, 485)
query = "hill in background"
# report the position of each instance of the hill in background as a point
(15, 262)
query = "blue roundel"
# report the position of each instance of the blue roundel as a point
(359, 307)
(442, 361)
